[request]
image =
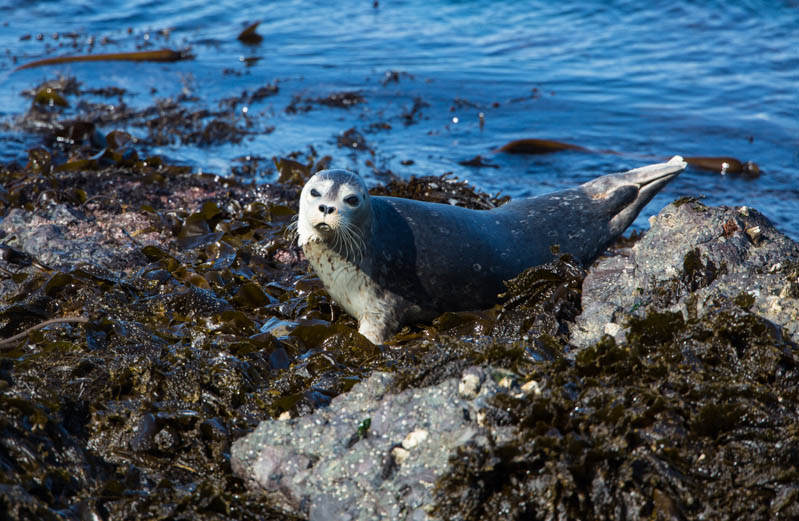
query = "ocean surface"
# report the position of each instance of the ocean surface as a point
(444, 81)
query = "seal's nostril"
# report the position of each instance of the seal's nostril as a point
(326, 209)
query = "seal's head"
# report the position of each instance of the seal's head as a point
(335, 209)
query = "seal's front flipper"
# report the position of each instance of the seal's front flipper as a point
(377, 328)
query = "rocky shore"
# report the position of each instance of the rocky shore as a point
(201, 372)
(677, 400)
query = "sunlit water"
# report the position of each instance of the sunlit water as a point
(676, 77)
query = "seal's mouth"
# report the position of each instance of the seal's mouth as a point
(323, 227)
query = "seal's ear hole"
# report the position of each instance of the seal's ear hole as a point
(351, 200)
(314, 192)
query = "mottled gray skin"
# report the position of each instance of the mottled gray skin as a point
(420, 259)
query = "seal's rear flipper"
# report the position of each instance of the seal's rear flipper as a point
(648, 180)
(641, 177)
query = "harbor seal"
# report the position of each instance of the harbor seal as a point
(390, 261)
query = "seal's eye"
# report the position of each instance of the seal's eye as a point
(314, 193)
(351, 200)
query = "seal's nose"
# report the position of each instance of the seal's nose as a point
(326, 209)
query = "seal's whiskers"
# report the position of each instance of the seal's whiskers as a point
(353, 242)
(292, 232)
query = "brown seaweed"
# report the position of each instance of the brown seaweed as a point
(724, 165)
(538, 146)
(249, 35)
(162, 55)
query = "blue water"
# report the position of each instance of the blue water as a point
(678, 77)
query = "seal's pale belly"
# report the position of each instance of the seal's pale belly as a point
(379, 312)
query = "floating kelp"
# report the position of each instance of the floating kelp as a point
(162, 55)
(478, 161)
(341, 100)
(724, 165)
(167, 121)
(352, 139)
(249, 35)
(414, 114)
(49, 97)
(538, 146)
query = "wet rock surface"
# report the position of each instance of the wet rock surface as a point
(372, 454)
(694, 258)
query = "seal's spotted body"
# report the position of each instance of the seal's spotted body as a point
(390, 261)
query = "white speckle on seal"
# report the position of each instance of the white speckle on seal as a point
(476, 267)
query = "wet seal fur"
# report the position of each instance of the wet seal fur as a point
(390, 261)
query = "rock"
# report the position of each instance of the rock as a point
(63, 237)
(694, 257)
(310, 465)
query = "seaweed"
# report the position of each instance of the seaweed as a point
(680, 422)
(162, 55)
